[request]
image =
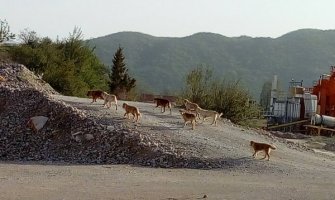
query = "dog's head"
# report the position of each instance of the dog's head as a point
(252, 143)
(89, 93)
(124, 105)
(104, 94)
(186, 101)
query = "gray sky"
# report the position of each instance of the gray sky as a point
(172, 18)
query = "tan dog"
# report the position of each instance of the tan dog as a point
(109, 99)
(188, 117)
(261, 147)
(163, 103)
(95, 94)
(190, 105)
(208, 113)
(131, 109)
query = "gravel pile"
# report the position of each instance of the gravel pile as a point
(70, 135)
(64, 136)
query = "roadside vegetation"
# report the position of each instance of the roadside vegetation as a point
(68, 65)
(228, 97)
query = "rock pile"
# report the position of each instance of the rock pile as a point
(68, 134)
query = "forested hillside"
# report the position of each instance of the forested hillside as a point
(160, 64)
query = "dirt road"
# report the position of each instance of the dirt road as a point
(292, 172)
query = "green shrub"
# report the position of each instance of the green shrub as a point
(228, 97)
(69, 66)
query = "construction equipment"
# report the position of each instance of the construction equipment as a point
(325, 91)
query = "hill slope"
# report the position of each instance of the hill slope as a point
(161, 63)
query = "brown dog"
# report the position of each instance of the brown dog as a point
(131, 109)
(95, 94)
(261, 147)
(188, 117)
(163, 103)
(191, 106)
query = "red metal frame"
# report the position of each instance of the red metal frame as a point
(325, 91)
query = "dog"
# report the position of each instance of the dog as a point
(188, 117)
(208, 113)
(95, 94)
(109, 99)
(190, 105)
(133, 110)
(163, 103)
(262, 147)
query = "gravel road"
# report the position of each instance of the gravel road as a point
(293, 172)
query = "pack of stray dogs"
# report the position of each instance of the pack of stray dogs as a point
(190, 114)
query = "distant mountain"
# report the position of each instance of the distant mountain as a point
(160, 63)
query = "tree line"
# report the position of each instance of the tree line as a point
(70, 66)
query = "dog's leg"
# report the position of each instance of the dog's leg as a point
(265, 154)
(268, 154)
(214, 120)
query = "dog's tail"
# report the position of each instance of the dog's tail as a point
(220, 115)
(273, 147)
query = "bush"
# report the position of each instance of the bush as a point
(69, 66)
(223, 96)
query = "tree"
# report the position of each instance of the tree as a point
(29, 37)
(5, 34)
(197, 84)
(120, 82)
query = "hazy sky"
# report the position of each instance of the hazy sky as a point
(173, 18)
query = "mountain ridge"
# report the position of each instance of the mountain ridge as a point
(160, 64)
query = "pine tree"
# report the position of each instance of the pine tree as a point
(120, 82)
